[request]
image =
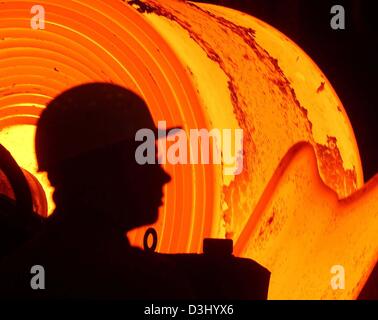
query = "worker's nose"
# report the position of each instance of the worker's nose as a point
(165, 177)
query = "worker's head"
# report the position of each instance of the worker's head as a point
(85, 140)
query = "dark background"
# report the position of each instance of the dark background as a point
(347, 57)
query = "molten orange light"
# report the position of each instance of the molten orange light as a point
(203, 66)
(299, 230)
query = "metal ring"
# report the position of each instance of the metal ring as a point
(150, 231)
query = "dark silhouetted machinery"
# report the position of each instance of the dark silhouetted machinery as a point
(215, 274)
(22, 204)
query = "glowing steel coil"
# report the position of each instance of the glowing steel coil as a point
(99, 41)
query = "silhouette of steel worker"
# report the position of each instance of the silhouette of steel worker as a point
(85, 141)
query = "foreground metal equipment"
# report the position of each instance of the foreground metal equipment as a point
(217, 273)
(21, 196)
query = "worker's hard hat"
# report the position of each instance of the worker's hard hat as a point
(86, 118)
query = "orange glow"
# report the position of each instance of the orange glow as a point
(205, 66)
(299, 230)
(75, 47)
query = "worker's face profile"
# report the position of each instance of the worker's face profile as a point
(136, 189)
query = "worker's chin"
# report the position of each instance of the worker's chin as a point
(154, 215)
